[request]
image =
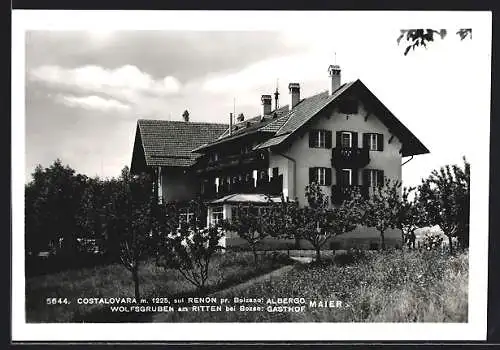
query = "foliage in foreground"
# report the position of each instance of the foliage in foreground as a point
(445, 195)
(114, 281)
(190, 247)
(383, 286)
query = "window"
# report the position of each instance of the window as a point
(246, 210)
(214, 156)
(186, 215)
(275, 172)
(217, 215)
(160, 186)
(321, 176)
(374, 142)
(346, 139)
(346, 177)
(320, 139)
(374, 177)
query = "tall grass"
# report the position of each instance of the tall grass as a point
(115, 281)
(391, 286)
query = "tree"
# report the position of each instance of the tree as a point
(317, 222)
(421, 37)
(52, 204)
(445, 195)
(383, 207)
(97, 204)
(411, 215)
(188, 246)
(253, 224)
(129, 217)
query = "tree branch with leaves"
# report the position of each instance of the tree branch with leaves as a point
(445, 194)
(317, 222)
(188, 246)
(421, 37)
(383, 207)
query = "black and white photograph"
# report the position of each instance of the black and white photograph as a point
(245, 175)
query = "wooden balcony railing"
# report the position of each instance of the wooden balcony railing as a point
(274, 186)
(255, 159)
(350, 157)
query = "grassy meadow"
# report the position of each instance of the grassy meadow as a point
(115, 281)
(371, 286)
(391, 286)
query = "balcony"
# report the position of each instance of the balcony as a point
(252, 160)
(274, 186)
(342, 192)
(350, 157)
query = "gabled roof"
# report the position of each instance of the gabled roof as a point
(169, 143)
(310, 107)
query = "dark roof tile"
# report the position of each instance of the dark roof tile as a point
(169, 143)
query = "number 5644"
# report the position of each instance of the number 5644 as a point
(54, 301)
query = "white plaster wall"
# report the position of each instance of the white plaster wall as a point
(388, 160)
(285, 168)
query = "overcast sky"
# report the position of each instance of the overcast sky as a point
(85, 90)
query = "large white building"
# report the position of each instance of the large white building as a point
(339, 138)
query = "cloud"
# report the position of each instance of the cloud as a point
(123, 82)
(92, 102)
(293, 67)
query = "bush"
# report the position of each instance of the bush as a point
(432, 241)
(352, 256)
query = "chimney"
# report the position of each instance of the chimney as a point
(230, 123)
(334, 72)
(266, 104)
(185, 115)
(294, 89)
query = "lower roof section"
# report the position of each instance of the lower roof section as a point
(255, 198)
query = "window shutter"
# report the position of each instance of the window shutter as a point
(366, 140)
(338, 174)
(380, 177)
(313, 175)
(354, 140)
(328, 143)
(312, 136)
(339, 139)
(355, 176)
(328, 176)
(366, 177)
(380, 140)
